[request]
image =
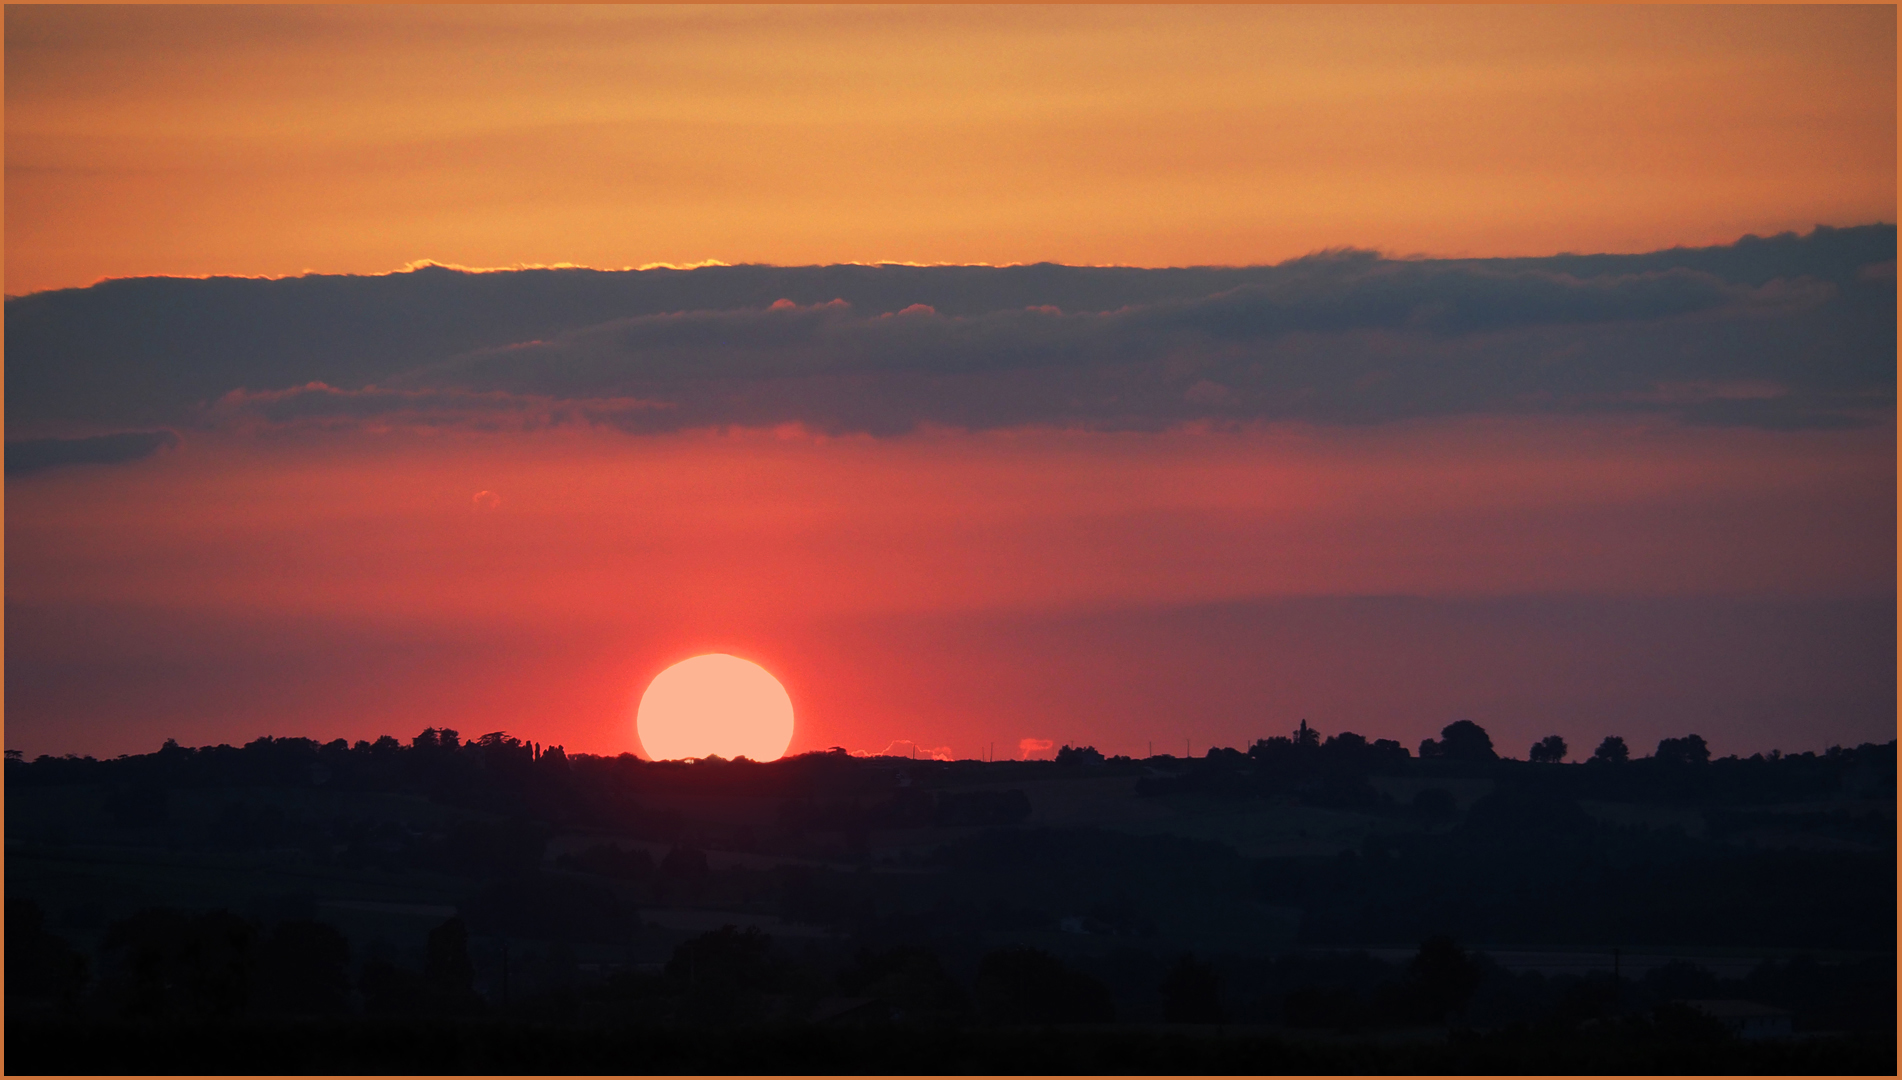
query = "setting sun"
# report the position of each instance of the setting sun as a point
(715, 704)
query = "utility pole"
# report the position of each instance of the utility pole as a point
(1185, 749)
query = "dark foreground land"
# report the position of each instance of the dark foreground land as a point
(479, 1048)
(1313, 905)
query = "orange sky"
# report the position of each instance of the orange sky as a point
(274, 140)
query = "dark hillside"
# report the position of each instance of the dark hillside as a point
(1304, 889)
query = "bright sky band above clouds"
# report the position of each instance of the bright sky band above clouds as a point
(274, 140)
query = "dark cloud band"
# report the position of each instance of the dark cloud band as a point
(1778, 333)
(25, 456)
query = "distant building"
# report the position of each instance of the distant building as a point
(1747, 1019)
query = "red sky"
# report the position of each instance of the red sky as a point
(897, 585)
(702, 527)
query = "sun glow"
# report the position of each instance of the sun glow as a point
(715, 704)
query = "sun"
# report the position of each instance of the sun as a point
(715, 704)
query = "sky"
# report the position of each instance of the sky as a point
(998, 378)
(357, 139)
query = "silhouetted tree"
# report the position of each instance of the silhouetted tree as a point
(436, 739)
(1612, 751)
(1463, 740)
(1690, 750)
(168, 964)
(1030, 986)
(1079, 755)
(908, 978)
(1443, 977)
(1305, 736)
(446, 962)
(1192, 993)
(1548, 751)
(389, 990)
(1594, 997)
(723, 973)
(1347, 744)
(1386, 752)
(304, 967)
(1272, 748)
(39, 965)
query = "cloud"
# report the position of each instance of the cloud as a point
(1359, 291)
(1027, 747)
(25, 456)
(1343, 337)
(319, 405)
(1355, 344)
(906, 748)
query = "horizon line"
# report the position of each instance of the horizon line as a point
(415, 265)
